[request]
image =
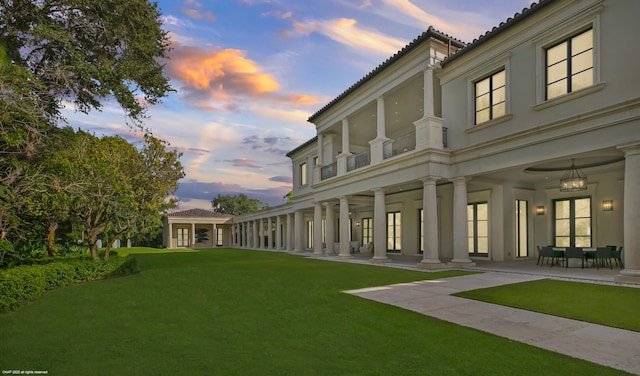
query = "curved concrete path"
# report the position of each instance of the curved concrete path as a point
(617, 348)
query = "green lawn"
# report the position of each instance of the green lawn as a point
(615, 306)
(240, 312)
(147, 250)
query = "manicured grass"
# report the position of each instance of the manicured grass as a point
(147, 250)
(240, 312)
(615, 306)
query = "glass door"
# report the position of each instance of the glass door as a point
(522, 227)
(572, 222)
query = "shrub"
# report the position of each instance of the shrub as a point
(27, 282)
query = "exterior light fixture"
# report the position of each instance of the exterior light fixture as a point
(573, 180)
(607, 205)
(357, 223)
(540, 210)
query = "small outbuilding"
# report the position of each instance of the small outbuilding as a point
(196, 228)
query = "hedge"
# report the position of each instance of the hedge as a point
(27, 282)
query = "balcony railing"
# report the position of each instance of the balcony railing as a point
(329, 171)
(400, 145)
(359, 160)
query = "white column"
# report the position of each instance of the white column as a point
(317, 169)
(631, 214)
(214, 236)
(261, 234)
(278, 232)
(247, 231)
(429, 128)
(289, 234)
(428, 105)
(299, 232)
(270, 233)
(170, 242)
(430, 258)
(344, 153)
(317, 228)
(460, 224)
(379, 227)
(255, 234)
(345, 137)
(245, 235)
(330, 221)
(377, 143)
(193, 235)
(345, 249)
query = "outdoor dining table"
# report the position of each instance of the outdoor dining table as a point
(558, 252)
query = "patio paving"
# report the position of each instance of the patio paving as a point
(617, 348)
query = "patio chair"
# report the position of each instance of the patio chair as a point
(545, 252)
(616, 255)
(368, 248)
(573, 252)
(603, 255)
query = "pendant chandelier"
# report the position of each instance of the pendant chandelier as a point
(573, 180)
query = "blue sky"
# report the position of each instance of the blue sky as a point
(248, 74)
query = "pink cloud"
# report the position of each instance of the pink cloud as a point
(219, 79)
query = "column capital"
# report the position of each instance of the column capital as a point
(460, 180)
(379, 190)
(429, 180)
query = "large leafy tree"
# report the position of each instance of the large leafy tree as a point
(85, 50)
(236, 205)
(80, 51)
(119, 185)
(23, 125)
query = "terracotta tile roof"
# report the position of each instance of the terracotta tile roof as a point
(311, 141)
(511, 21)
(430, 33)
(198, 213)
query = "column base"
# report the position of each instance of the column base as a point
(345, 257)
(317, 254)
(431, 264)
(379, 260)
(628, 276)
(461, 263)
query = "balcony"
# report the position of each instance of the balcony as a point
(329, 171)
(359, 160)
(400, 145)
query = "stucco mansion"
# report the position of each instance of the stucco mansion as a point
(528, 136)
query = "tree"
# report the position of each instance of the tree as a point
(237, 205)
(119, 186)
(23, 124)
(86, 51)
(74, 50)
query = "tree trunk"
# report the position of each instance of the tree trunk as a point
(92, 239)
(52, 226)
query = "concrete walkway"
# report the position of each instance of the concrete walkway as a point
(608, 346)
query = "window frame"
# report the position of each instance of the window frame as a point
(302, 169)
(557, 34)
(474, 252)
(495, 65)
(490, 93)
(396, 237)
(569, 72)
(367, 230)
(572, 220)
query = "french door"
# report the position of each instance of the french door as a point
(572, 222)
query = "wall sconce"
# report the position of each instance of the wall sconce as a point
(540, 210)
(357, 223)
(607, 205)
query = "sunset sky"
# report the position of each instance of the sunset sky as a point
(249, 73)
